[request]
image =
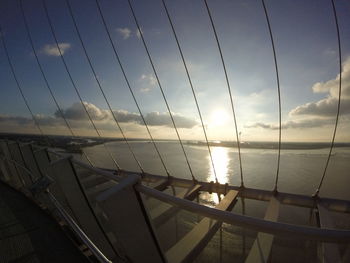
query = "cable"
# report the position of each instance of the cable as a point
(76, 28)
(136, 22)
(339, 98)
(36, 123)
(279, 94)
(191, 85)
(44, 76)
(103, 93)
(73, 83)
(127, 82)
(229, 90)
(161, 89)
(76, 90)
(129, 86)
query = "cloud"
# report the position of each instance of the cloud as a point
(149, 81)
(301, 124)
(322, 108)
(77, 118)
(20, 120)
(77, 112)
(124, 32)
(163, 119)
(320, 113)
(16, 119)
(327, 107)
(125, 116)
(52, 50)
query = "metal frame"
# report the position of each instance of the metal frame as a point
(261, 225)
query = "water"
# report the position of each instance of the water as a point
(300, 170)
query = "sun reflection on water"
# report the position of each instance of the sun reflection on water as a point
(221, 163)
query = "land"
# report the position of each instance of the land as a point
(271, 145)
(76, 144)
(67, 143)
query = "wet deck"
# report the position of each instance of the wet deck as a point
(28, 234)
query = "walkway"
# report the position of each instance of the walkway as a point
(28, 234)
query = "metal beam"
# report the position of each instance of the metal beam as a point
(336, 205)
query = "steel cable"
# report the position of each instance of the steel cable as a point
(36, 123)
(192, 88)
(339, 99)
(278, 91)
(67, 70)
(161, 89)
(77, 92)
(229, 90)
(88, 59)
(127, 82)
(45, 79)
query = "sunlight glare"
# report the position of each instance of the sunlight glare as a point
(221, 163)
(219, 118)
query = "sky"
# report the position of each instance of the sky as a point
(306, 47)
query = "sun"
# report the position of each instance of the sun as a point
(219, 117)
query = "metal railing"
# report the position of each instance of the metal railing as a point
(261, 225)
(276, 228)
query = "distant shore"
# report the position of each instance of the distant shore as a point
(76, 144)
(270, 145)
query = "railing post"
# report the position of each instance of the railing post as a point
(126, 217)
(16, 155)
(11, 168)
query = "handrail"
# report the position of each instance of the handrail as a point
(257, 224)
(98, 254)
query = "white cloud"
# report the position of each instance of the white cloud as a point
(149, 82)
(322, 108)
(52, 50)
(301, 124)
(124, 32)
(322, 112)
(327, 107)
